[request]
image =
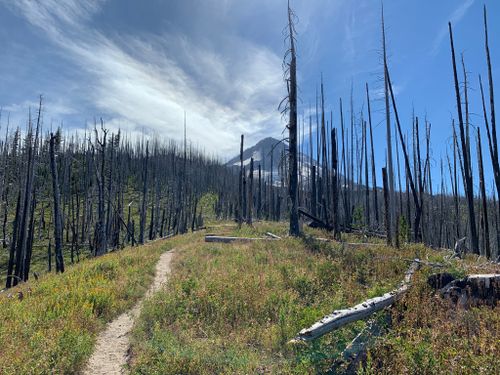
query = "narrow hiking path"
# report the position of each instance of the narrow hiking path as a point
(111, 350)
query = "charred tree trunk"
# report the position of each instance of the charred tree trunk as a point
(250, 195)
(391, 200)
(142, 223)
(387, 204)
(468, 183)
(57, 210)
(292, 128)
(484, 208)
(374, 178)
(335, 177)
(240, 196)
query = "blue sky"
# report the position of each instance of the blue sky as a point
(140, 64)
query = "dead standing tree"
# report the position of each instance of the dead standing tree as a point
(416, 201)
(492, 135)
(240, 185)
(484, 204)
(250, 195)
(291, 80)
(100, 226)
(390, 171)
(467, 171)
(142, 224)
(57, 205)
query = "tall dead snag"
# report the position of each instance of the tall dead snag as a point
(244, 203)
(292, 129)
(484, 207)
(387, 206)
(23, 244)
(468, 183)
(314, 194)
(324, 159)
(400, 213)
(492, 136)
(259, 198)
(367, 189)
(250, 195)
(240, 185)
(490, 83)
(57, 206)
(12, 252)
(335, 184)
(347, 211)
(416, 201)
(374, 178)
(142, 223)
(418, 172)
(101, 243)
(391, 201)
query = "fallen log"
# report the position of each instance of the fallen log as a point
(340, 318)
(227, 239)
(320, 239)
(316, 222)
(355, 352)
(366, 233)
(349, 244)
(425, 263)
(273, 236)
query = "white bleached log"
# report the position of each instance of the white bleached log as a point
(273, 236)
(340, 318)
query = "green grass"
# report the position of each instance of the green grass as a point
(53, 328)
(231, 308)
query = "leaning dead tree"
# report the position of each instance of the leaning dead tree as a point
(465, 152)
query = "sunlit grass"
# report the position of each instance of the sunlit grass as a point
(232, 308)
(52, 328)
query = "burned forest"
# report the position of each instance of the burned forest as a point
(324, 200)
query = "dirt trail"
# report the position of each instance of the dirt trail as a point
(111, 350)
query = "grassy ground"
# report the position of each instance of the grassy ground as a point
(231, 308)
(52, 329)
(428, 336)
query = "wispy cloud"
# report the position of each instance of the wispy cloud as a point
(454, 18)
(145, 83)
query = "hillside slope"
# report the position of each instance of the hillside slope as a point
(50, 325)
(232, 308)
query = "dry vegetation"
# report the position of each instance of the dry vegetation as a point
(429, 336)
(232, 308)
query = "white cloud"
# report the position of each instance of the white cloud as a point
(146, 83)
(454, 18)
